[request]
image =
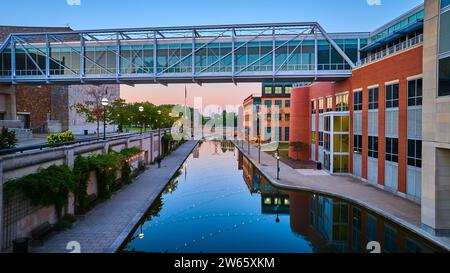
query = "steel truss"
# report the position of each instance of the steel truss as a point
(232, 39)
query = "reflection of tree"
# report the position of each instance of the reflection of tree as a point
(173, 184)
(155, 209)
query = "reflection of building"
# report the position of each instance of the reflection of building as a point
(273, 201)
(336, 226)
(273, 94)
(46, 108)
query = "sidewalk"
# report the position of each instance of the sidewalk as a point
(395, 208)
(104, 228)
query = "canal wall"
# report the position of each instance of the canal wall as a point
(19, 217)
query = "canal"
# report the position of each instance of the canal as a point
(218, 202)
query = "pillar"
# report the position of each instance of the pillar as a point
(300, 123)
(1, 205)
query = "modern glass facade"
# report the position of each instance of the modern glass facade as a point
(444, 50)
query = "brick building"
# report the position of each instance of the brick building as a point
(47, 108)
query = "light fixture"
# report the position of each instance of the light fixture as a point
(105, 102)
(141, 108)
(159, 112)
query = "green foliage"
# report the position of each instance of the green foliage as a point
(106, 167)
(82, 169)
(62, 137)
(7, 139)
(129, 152)
(47, 187)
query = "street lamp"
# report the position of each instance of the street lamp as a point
(278, 165)
(141, 110)
(105, 103)
(259, 149)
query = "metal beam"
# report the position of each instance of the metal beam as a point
(335, 46)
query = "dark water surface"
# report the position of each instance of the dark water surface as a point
(218, 202)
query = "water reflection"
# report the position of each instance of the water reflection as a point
(225, 205)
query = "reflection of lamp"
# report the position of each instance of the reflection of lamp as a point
(277, 220)
(141, 109)
(141, 235)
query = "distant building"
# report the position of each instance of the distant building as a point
(47, 108)
(272, 94)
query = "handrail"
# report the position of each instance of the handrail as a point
(391, 50)
(81, 141)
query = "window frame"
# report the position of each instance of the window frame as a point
(375, 103)
(414, 158)
(391, 146)
(372, 146)
(392, 95)
(416, 99)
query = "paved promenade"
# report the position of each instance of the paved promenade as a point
(398, 209)
(104, 228)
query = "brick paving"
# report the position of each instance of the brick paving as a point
(398, 209)
(108, 224)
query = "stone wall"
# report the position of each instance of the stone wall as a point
(36, 101)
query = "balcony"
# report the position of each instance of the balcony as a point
(391, 50)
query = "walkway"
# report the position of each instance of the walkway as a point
(390, 206)
(104, 228)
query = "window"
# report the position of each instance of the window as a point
(288, 90)
(392, 96)
(278, 90)
(320, 105)
(357, 101)
(357, 144)
(415, 153)
(313, 137)
(279, 103)
(326, 142)
(329, 104)
(287, 103)
(269, 117)
(268, 130)
(321, 139)
(392, 149)
(287, 117)
(313, 107)
(286, 133)
(268, 90)
(415, 92)
(268, 103)
(373, 98)
(445, 3)
(372, 150)
(444, 77)
(342, 102)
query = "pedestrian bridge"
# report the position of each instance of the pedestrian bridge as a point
(199, 54)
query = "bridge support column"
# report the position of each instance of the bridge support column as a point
(70, 158)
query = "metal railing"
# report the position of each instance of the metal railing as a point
(80, 141)
(391, 50)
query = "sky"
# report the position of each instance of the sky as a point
(333, 15)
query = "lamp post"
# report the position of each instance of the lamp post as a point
(259, 149)
(105, 103)
(159, 134)
(278, 165)
(141, 110)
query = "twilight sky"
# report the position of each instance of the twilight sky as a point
(333, 15)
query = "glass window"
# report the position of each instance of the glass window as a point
(372, 150)
(320, 105)
(373, 98)
(444, 77)
(279, 103)
(357, 144)
(286, 133)
(415, 153)
(313, 107)
(278, 90)
(342, 102)
(288, 90)
(356, 230)
(287, 103)
(390, 239)
(415, 92)
(444, 33)
(268, 90)
(268, 103)
(392, 96)
(445, 3)
(392, 149)
(357, 101)
(321, 139)
(268, 130)
(313, 137)
(372, 228)
(329, 104)
(287, 117)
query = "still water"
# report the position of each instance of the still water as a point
(218, 202)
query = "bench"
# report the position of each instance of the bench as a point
(38, 233)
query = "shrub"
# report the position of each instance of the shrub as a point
(46, 187)
(62, 137)
(8, 139)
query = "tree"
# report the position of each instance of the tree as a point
(297, 146)
(93, 109)
(8, 139)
